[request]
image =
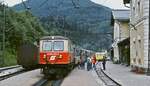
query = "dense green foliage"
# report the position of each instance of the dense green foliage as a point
(20, 28)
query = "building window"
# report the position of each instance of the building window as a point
(136, 53)
(134, 60)
(139, 61)
(139, 8)
(134, 10)
(133, 13)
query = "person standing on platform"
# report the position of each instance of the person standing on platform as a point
(80, 61)
(104, 62)
(85, 64)
(88, 63)
(93, 62)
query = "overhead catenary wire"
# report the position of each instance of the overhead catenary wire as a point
(57, 18)
(25, 6)
(75, 3)
(43, 3)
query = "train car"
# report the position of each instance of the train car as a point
(27, 55)
(82, 55)
(56, 55)
(99, 55)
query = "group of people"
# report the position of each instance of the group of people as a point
(91, 62)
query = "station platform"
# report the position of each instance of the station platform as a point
(81, 77)
(124, 76)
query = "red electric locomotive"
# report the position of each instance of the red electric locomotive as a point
(56, 55)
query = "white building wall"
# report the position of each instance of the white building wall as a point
(116, 40)
(124, 30)
(116, 32)
(146, 31)
(121, 32)
(140, 19)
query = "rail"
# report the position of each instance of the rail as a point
(7, 72)
(41, 82)
(106, 79)
(48, 82)
(10, 67)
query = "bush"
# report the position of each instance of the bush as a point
(9, 58)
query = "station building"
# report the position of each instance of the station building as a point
(121, 44)
(139, 35)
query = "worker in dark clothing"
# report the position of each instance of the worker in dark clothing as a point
(89, 63)
(80, 60)
(104, 62)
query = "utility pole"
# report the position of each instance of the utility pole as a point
(4, 11)
(1, 42)
(2, 37)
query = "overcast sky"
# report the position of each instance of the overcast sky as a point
(114, 4)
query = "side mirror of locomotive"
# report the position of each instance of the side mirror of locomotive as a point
(37, 43)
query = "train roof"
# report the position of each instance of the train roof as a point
(54, 37)
(100, 53)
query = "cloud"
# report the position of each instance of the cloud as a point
(12, 2)
(114, 4)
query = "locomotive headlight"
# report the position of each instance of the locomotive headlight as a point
(44, 56)
(60, 56)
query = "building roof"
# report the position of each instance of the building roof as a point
(121, 14)
(54, 38)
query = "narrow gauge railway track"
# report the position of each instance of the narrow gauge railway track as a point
(48, 82)
(11, 71)
(106, 79)
(10, 67)
(41, 82)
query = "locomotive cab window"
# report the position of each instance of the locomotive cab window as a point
(58, 45)
(47, 46)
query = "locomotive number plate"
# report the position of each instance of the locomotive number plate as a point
(52, 57)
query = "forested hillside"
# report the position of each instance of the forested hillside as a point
(83, 21)
(19, 28)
